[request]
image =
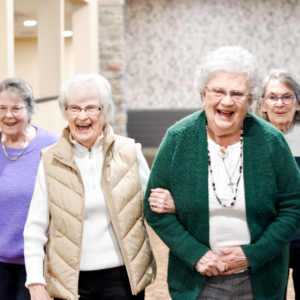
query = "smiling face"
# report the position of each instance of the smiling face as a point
(280, 115)
(85, 128)
(225, 116)
(13, 126)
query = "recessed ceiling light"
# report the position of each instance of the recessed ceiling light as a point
(67, 33)
(30, 23)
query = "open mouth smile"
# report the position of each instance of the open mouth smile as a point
(224, 113)
(10, 124)
(84, 127)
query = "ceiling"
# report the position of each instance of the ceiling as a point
(28, 10)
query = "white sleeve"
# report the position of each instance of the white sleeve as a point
(35, 231)
(143, 167)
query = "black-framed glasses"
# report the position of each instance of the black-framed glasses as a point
(14, 110)
(219, 94)
(90, 110)
(285, 99)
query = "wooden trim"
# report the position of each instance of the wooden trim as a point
(45, 99)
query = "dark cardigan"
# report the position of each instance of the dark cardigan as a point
(272, 191)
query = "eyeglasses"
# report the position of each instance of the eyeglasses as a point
(90, 110)
(285, 99)
(14, 110)
(219, 94)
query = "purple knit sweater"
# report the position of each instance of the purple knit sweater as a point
(17, 179)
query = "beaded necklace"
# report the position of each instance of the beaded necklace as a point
(240, 171)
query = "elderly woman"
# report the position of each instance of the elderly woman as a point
(236, 188)
(88, 194)
(280, 105)
(19, 160)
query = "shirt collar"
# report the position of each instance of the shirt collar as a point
(96, 147)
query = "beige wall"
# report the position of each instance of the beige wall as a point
(26, 61)
(49, 116)
(26, 66)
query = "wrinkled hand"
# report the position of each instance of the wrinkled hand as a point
(210, 264)
(235, 259)
(38, 292)
(161, 201)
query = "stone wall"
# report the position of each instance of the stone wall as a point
(112, 62)
(165, 40)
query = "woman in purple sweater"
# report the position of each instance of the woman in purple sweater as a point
(21, 144)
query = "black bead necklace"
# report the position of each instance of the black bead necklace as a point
(240, 171)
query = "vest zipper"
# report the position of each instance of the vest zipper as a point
(116, 226)
(91, 168)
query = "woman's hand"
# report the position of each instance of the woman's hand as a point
(38, 292)
(210, 264)
(235, 259)
(161, 201)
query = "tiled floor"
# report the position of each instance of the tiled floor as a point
(159, 289)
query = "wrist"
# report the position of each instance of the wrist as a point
(35, 286)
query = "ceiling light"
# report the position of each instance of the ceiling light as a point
(30, 23)
(67, 33)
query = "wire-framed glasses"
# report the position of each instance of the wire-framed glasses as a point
(14, 110)
(90, 110)
(285, 99)
(219, 94)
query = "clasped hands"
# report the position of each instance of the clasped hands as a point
(211, 264)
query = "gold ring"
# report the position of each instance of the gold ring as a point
(153, 205)
(226, 267)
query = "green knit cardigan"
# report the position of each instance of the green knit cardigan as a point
(272, 192)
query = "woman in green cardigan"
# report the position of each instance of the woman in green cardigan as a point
(236, 188)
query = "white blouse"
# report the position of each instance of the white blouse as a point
(228, 226)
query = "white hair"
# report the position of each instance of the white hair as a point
(89, 86)
(230, 59)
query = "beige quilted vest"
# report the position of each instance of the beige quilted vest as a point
(124, 197)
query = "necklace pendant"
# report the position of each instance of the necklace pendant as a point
(223, 152)
(231, 184)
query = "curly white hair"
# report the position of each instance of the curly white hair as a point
(230, 59)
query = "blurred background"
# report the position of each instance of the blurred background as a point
(147, 49)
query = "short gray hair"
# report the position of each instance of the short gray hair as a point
(287, 79)
(18, 87)
(230, 59)
(93, 86)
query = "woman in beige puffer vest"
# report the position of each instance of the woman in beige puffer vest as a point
(89, 195)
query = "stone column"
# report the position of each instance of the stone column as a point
(50, 46)
(7, 39)
(112, 60)
(85, 37)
